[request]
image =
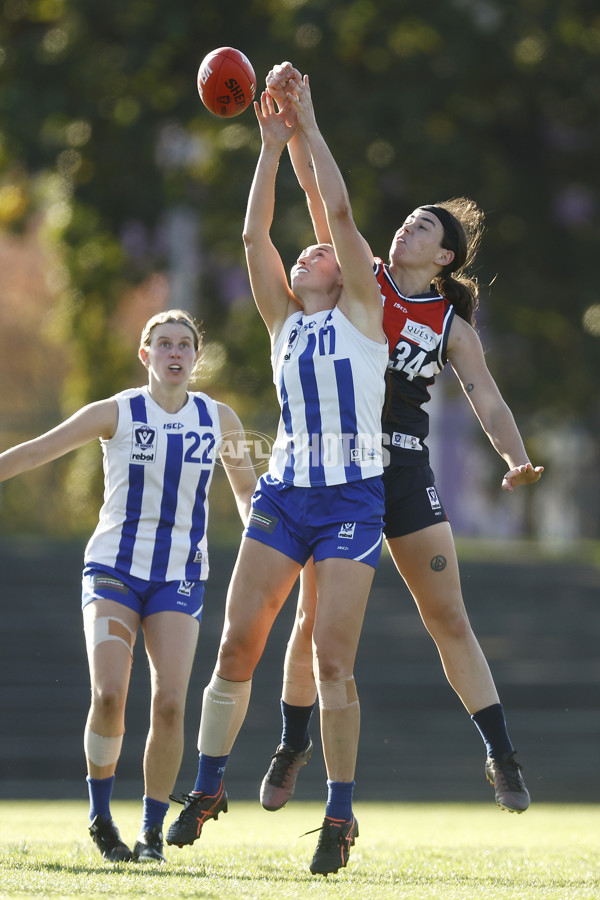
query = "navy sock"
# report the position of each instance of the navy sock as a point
(339, 800)
(296, 720)
(492, 728)
(210, 774)
(100, 791)
(154, 812)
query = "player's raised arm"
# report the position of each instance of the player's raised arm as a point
(281, 78)
(268, 278)
(361, 299)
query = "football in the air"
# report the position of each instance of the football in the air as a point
(226, 82)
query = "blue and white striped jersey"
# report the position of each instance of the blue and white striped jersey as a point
(330, 384)
(157, 471)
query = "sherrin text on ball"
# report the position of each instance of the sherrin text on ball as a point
(226, 82)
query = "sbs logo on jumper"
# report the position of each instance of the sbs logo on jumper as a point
(347, 530)
(143, 443)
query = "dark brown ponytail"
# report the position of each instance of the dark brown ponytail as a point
(463, 224)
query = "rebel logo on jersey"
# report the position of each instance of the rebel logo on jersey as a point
(143, 443)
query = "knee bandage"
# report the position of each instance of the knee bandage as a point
(107, 628)
(101, 751)
(224, 708)
(337, 694)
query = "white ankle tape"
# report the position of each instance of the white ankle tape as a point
(101, 751)
(337, 694)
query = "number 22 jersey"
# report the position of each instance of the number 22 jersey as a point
(157, 472)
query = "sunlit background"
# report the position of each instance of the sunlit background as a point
(121, 195)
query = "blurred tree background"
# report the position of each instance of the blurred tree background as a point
(121, 195)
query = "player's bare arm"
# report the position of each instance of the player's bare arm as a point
(360, 300)
(97, 420)
(268, 279)
(236, 460)
(465, 354)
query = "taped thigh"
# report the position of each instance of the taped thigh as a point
(337, 694)
(107, 628)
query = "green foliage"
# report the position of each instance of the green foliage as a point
(404, 850)
(103, 135)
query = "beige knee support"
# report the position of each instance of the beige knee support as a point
(107, 628)
(224, 708)
(337, 694)
(101, 751)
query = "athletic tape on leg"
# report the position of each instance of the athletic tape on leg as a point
(101, 751)
(337, 694)
(224, 708)
(299, 687)
(107, 628)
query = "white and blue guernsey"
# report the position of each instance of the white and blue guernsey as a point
(330, 385)
(157, 468)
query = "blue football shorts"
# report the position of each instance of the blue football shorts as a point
(342, 520)
(411, 500)
(144, 597)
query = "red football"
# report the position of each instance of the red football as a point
(226, 82)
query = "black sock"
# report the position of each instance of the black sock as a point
(492, 728)
(296, 720)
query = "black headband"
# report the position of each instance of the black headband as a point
(451, 233)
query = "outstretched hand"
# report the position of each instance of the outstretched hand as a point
(276, 127)
(277, 81)
(298, 94)
(525, 474)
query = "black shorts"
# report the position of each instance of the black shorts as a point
(411, 500)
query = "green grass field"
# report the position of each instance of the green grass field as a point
(417, 851)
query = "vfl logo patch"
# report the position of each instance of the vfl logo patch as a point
(433, 498)
(293, 337)
(347, 530)
(185, 588)
(361, 454)
(406, 441)
(263, 521)
(143, 443)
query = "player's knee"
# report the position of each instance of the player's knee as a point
(305, 623)
(451, 623)
(168, 710)
(330, 662)
(108, 699)
(237, 658)
(337, 694)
